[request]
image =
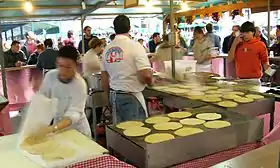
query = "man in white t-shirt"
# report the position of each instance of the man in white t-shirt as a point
(125, 72)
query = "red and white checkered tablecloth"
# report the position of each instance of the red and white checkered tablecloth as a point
(216, 158)
(105, 161)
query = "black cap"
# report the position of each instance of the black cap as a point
(248, 27)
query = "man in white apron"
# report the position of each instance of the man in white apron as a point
(125, 72)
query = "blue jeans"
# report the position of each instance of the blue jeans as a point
(125, 107)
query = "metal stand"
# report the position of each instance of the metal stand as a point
(3, 72)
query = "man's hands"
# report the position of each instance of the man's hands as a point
(39, 135)
(237, 40)
(18, 64)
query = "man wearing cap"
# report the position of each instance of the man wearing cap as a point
(249, 54)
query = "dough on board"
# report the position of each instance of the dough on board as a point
(157, 119)
(158, 137)
(192, 121)
(217, 124)
(129, 124)
(167, 126)
(209, 116)
(136, 131)
(180, 114)
(187, 131)
(60, 153)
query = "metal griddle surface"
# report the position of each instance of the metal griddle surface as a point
(232, 117)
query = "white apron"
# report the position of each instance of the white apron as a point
(141, 99)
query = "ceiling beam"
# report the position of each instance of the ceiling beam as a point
(141, 6)
(99, 4)
(37, 16)
(46, 7)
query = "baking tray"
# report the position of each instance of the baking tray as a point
(244, 129)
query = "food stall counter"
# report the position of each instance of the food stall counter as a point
(12, 157)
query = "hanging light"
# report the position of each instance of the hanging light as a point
(184, 6)
(28, 6)
(149, 4)
(83, 5)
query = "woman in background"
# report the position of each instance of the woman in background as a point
(34, 56)
(202, 50)
(91, 63)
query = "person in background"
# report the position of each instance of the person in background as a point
(181, 43)
(47, 59)
(249, 54)
(14, 57)
(141, 41)
(91, 63)
(87, 37)
(70, 41)
(112, 37)
(29, 46)
(125, 72)
(276, 46)
(33, 59)
(67, 86)
(154, 42)
(202, 50)
(216, 40)
(163, 53)
(229, 39)
(260, 36)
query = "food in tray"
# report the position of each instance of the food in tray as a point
(196, 97)
(228, 104)
(212, 99)
(187, 86)
(196, 93)
(180, 114)
(244, 100)
(157, 119)
(159, 87)
(187, 131)
(217, 124)
(211, 87)
(192, 121)
(213, 92)
(236, 93)
(209, 116)
(136, 131)
(231, 96)
(175, 90)
(129, 124)
(254, 96)
(167, 126)
(158, 137)
(213, 95)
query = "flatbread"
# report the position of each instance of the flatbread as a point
(195, 97)
(60, 153)
(225, 90)
(129, 124)
(167, 126)
(255, 96)
(244, 100)
(187, 131)
(213, 92)
(196, 93)
(180, 114)
(209, 116)
(175, 90)
(157, 119)
(192, 121)
(231, 96)
(211, 87)
(158, 137)
(186, 87)
(217, 124)
(41, 148)
(236, 93)
(159, 87)
(213, 95)
(228, 104)
(212, 99)
(136, 131)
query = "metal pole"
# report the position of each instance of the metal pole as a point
(2, 60)
(83, 37)
(172, 40)
(163, 25)
(268, 21)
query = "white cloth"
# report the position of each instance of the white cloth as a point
(142, 101)
(203, 68)
(122, 60)
(71, 100)
(91, 63)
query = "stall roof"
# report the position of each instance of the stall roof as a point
(12, 10)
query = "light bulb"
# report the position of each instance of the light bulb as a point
(149, 4)
(184, 6)
(28, 6)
